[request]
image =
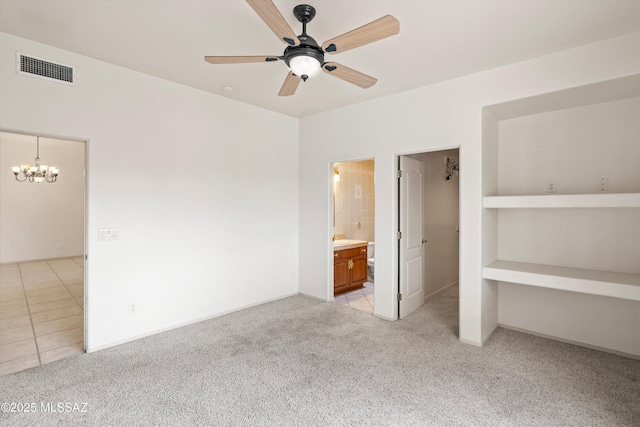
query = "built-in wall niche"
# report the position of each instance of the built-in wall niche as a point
(561, 217)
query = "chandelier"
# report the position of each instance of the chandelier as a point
(37, 173)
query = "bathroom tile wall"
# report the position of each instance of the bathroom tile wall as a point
(354, 200)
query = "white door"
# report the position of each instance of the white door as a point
(411, 238)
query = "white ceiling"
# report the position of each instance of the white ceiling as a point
(438, 40)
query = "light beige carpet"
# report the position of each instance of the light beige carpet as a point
(301, 362)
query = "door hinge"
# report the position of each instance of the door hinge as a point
(399, 235)
(399, 173)
(399, 297)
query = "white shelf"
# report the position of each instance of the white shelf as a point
(595, 282)
(599, 200)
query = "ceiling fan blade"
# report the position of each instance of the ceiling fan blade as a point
(290, 85)
(369, 33)
(239, 59)
(349, 75)
(274, 19)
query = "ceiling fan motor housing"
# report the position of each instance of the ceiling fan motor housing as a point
(308, 47)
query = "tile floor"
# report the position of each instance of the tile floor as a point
(360, 299)
(41, 312)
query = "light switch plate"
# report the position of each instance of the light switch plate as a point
(108, 234)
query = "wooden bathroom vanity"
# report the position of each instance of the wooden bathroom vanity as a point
(349, 266)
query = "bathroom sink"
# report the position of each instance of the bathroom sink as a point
(345, 242)
(341, 242)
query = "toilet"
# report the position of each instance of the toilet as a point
(370, 259)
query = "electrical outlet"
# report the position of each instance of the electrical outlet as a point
(604, 184)
(551, 186)
(133, 309)
(59, 245)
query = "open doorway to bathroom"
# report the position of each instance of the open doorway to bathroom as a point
(41, 251)
(429, 217)
(353, 234)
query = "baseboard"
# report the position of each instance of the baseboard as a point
(432, 294)
(466, 341)
(90, 349)
(315, 297)
(25, 261)
(380, 316)
(479, 343)
(567, 341)
(486, 338)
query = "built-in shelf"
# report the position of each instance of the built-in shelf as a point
(600, 200)
(595, 282)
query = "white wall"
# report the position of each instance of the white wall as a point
(605, 323)
(440, 221)
(203, 189)
(439, 116)
(41, 220)
(574, 147)
(489, 219)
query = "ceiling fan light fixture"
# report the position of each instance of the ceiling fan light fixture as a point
(303, 65)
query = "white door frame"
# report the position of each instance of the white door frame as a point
(86, 210)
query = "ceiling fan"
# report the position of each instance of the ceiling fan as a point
(303, 55)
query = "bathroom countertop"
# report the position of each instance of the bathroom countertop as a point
(339, 245)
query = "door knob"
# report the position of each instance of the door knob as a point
(424, 241)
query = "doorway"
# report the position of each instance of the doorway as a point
(42, 253)
(353, 234)
(429, 218)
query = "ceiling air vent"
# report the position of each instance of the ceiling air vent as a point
(41, 68)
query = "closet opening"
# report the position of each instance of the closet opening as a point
(428, 228)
